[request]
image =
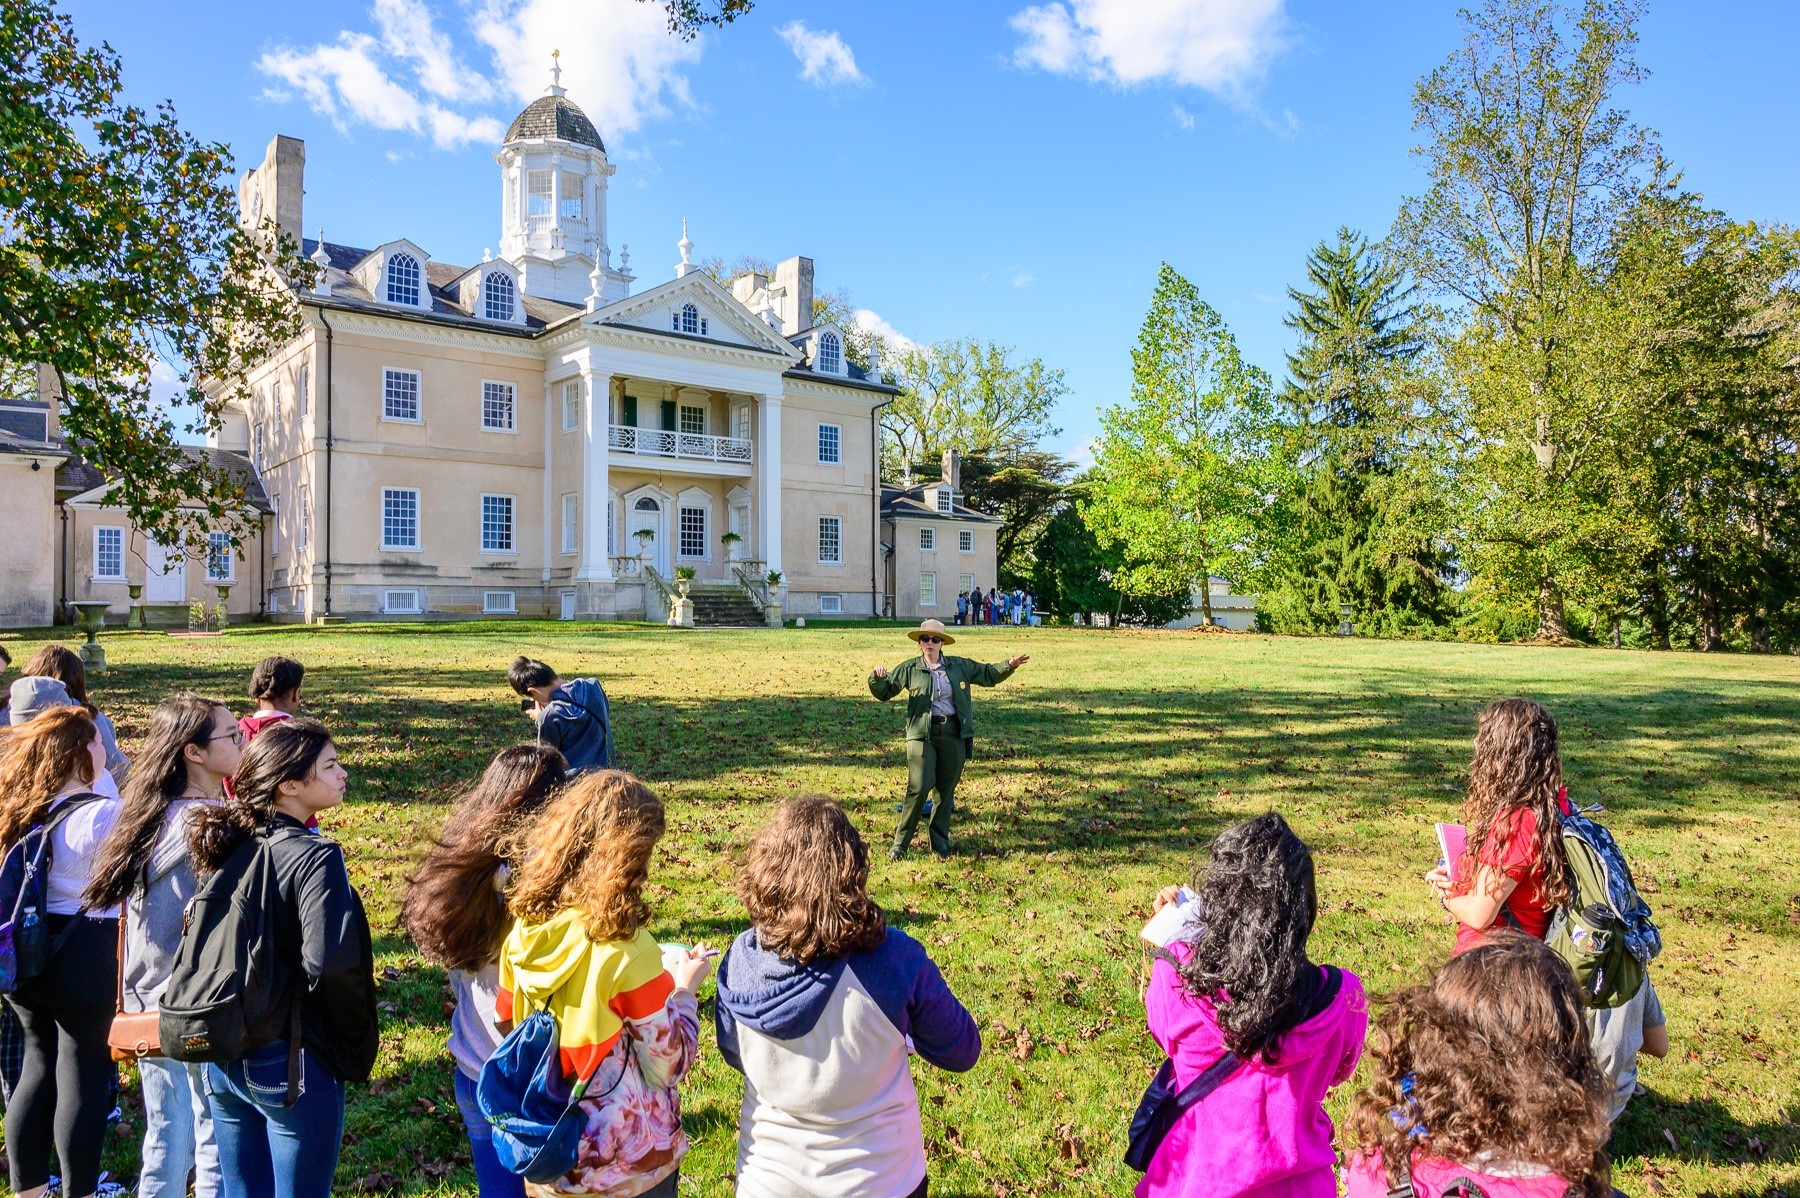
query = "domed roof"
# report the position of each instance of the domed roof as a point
(555, 116)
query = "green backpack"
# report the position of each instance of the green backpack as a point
(1605, 933)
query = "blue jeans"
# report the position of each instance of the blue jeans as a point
(178, 1131)
(494, 1179)
(267, 1150)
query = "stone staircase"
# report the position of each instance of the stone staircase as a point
(723, 605)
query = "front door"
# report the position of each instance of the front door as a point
(647, 513)
(165, 575)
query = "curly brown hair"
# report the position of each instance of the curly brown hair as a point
(805, 882)
(589, 851)
(1496, 1049)
(36, 759)
(1517, 765)
(452, 910)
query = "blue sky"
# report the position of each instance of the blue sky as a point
(996, 168)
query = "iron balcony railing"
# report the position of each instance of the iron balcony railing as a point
(661, 443)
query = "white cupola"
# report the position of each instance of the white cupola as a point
(553, 173)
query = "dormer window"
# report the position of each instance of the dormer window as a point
(831, 354)
(403, 280)
(688, 320)
(498, 298)
(943, 499)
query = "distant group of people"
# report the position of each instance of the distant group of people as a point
(1496, 1077)
(995, 606)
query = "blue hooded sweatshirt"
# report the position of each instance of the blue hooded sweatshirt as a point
(578, 724)
(829, 1106)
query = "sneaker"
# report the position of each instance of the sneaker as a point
(110, 1189)
(925, 811)
(895, 854)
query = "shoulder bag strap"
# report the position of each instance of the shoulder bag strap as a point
(1207, 1082)
(119, 997)
(1160, 953)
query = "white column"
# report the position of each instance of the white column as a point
(768, 480)
(595, 420)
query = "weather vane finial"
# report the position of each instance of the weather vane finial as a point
(556, 87)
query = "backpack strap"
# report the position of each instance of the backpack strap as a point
(50, 825)
(1158, 952)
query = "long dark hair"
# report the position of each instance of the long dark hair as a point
(1491, 1056)
(1517, 764)
(1256, 909)
(452, 909)
(287, 752)
(158, 776)
(36, 759)
(65, 665)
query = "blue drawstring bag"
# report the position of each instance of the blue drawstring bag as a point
(534, 1112)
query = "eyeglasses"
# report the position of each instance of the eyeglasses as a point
(931, 640)
(235, 736)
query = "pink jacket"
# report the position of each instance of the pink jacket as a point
(1368, 1179)
(1264, 1132)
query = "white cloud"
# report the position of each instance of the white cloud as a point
(620, 64)
(1183, 117)
(1219, 45)
(866, 320)
(824, 58)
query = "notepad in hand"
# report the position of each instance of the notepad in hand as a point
(1166, 925)
(1453, 842)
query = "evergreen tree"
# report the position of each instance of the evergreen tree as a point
(1349, 410)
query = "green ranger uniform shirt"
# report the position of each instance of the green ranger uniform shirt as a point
(914, 677)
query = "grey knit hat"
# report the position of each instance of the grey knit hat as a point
(32, 697)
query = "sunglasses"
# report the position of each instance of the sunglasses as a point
(931, 640)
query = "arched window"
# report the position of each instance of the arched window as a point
(687, 320)
(831, 354)
(403, 280)
(647, 504)
(497, 295)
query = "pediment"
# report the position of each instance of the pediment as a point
(726, 320)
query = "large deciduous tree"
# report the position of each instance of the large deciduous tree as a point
(120, 250)
(969, 395)
(1185, 470)
(1530, 169)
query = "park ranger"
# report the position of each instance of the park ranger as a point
(940, 726)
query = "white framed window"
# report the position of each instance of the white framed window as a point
(928, 588)
(571, 405)
(403, 280)
(304, 526)
(571, 528)
(400, 395)
(299, 602)
(927, 539)
(538, 199)
(275, 410)
(275, 603)
(943, 499)
(497, 524)
(401, 602)
(687, 319)
(831, 540)
(693, 532)
(831, 445)
(400, 518)
(831, 605)
(831, 353)
(303, 389)
(571, 204)
(109, 554)
(965, 583)
(965, 541)
(256, 447)
(693, 420)
(497, 407)
(504, 602)
(220, 559)
(497, 295)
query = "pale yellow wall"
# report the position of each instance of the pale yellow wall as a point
(28, 550)
(811, 490)
(947, 561)
(246, 583)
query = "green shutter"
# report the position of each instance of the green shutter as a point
(668, 415)
(630, 420)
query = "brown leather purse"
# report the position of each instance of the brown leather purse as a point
(133, 1034)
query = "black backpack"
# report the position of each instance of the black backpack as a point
(25, 944)
(229, 991)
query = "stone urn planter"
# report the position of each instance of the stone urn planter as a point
(135, 618)
(90, 617)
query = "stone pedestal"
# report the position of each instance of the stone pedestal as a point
(595, 599)
(772, 613)
(681, 612)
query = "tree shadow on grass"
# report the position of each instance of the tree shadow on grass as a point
(1703, 1131)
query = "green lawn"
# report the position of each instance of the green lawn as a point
(1102, 769)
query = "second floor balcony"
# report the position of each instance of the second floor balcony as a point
(664, 443)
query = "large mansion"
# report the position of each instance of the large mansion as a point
(532, 434)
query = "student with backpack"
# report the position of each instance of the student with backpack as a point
(455, 910)
(820, 1005)
(192, 748)
(571, 717)
(1235, 1000)
(627, 1028)
(62, 990)
(277, 916)
(1485, 1085)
